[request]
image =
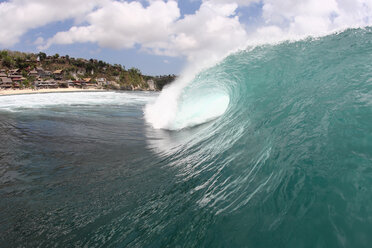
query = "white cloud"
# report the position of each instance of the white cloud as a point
(314, 17)
(239, 2)
(19, 16)
(123, 24)
(158, 28)
(39, 41)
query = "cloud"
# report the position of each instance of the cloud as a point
(123, 24)
(19, 16)
(39, 41)
(158, 28)
(214, 28)
(314, 17)
(239, 2)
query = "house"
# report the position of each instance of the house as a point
(45, 74)
(40, 84)
(70, 83)
(13, 71)
(33, 73)
(89, 83)
(58, 74)
(78, 83)
(46, 84)
(37, 82)
(16, 77)
(6, 82)
(2, 74)
(62, 84)
(87, 80)
(51, 83)
(101, 81)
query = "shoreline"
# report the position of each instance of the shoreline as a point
(31, 91)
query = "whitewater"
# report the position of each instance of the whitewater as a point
(269, 147)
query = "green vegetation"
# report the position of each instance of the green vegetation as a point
(78, 69)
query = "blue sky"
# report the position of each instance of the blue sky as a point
(162, 36)
(129, 57)
(147, 63)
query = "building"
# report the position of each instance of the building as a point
(62, 84)
(48, 84)
(45, 74)
(13, 71)
(70, 83)
(58, 74)
(33, 73)
(6, 83)
(89, 83)
(15, 77)
(101, 81)
(18, 79)
(78, 83)
(40, 71)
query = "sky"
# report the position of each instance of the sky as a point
(163, 36)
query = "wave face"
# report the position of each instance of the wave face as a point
(207, 96)
(290, 154)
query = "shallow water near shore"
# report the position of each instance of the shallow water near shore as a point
(288, 164)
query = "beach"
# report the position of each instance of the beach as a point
(5, 92)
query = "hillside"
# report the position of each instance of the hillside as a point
(42, 70)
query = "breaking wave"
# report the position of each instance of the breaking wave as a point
(231, 84)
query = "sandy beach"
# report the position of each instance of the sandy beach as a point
(31, 91)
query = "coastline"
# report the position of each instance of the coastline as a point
(8, 92)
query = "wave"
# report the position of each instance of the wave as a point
(193, 100)
(288, 115)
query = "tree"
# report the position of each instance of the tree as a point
(21, 63)
(134, 70)
(42, 56)
(3, 54)
(8, 61)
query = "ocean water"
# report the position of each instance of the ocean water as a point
(271, 147)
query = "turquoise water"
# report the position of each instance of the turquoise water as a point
(288, 164)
